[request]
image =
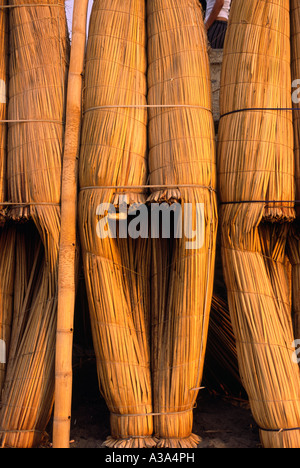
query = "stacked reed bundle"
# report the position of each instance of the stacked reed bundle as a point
(294, 244)
(6, 237)
(28, 390)
(38, 71)
(113, 153)
(3, 98)
(256, 168)
(295, 44)
(181, 155)
(248, 83)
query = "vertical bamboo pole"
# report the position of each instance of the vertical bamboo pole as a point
(67, 247)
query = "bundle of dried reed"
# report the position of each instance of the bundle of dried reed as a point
(113, 153)
(294, 242)
(256, 168)
(181, 151)
(258, 281)
(3, 98)
(29, 385)
(6, 237)
(295, 66)
(256, 75)
(38, 71)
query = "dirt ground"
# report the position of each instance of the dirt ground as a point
(220, 421)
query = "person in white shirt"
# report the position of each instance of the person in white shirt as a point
(216, 21)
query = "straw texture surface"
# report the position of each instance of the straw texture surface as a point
(113, 153)
(181, 151)
(294, 248)
(255, 161)
(6, 239)
(256, 74)
(295, 66)
(39, 50)
(3, 99)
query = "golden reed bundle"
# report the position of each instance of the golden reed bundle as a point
(256, 181)
(39, 49)
(256, 74)
(294, 243)
(295, 66)
(7, 238)
(3, 98)
(117, 270)
(28, 389)
(181, 151)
